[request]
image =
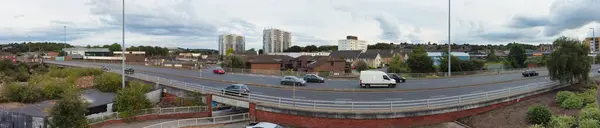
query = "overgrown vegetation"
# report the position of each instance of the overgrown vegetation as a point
(69, 112)
(108, 82)
(397, 65)
(419, 62)
(569, 62)
(562, 122)
(132, 98)
(460, 65)
(361, 66)
(538, 114)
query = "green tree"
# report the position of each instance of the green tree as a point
(419, 62)
(114, 47)
(108, 82)
(456, 63)
(294, 48)
(517, 56)
(310, 48)
(69, 112)
(260, 51)
(130, 99)
(396, 65)
(229, 52)
(491, 57)
(569, 62)
(361, 65)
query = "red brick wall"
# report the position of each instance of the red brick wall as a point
(314, 122)
(338, 66)
(154, 117)
(266, 68)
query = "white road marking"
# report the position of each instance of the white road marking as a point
(392, 99)
(343, 99)
(438, 96)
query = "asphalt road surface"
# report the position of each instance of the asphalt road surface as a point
(348, 96)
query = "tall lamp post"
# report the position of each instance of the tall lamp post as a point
(593, 45)
(123, 49)
(449, 52)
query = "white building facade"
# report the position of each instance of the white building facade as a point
(231, 41)
(352, 43)
(276, 41)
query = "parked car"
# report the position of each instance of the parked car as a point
(528, 73)
(397, 77)
(129, 71)
(314, 78)
(373, 78)
(292, 80)
(105, 68)
(263, 125)
(219, 70)
(236, 89)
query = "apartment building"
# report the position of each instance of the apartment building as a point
(352, 43)
(594, 47)
(231, 41)
(276, 41)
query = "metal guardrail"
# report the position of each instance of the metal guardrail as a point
(398, 105)
(202, 121)
(102, 117)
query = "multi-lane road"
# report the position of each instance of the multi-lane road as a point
(411, 90)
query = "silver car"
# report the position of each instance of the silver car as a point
(292, 80)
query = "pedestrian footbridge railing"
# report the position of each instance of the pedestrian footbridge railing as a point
(102, 117)
(202, 121)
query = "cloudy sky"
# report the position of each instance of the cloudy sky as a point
(196, 23)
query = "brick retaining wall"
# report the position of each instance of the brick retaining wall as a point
(154, 117)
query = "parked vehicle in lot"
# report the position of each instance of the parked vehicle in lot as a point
(375, 78)
(314, 78)
(397, 77)
(292, 80)
(219, 70)
(236, 89)
(129, 71)
(263, 125)
(528, 73)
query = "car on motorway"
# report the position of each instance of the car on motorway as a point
(292, 80)
(528, 73)
(129, 71)
(219, 70)
(397, 77)
(314, 78)
(105, 68)
(263, 125)
(598, 70)
(372, 78)
(236, 89)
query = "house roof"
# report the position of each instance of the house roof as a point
(323, 60)
(250, 53)
(386, 53)
(97, 98)
(303, 58)
(346, 54)
(370, 54)
(268, 59)
(42, 109)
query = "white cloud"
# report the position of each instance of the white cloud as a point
(196, 23)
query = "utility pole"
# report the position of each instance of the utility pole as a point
(449, 49)
(593, 45)
(123, 48)
(29, 44)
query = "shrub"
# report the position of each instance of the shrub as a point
(561, 122)
(589, 96)
(590, 113)
(30, 94)
(538, 114)
(131, 99)
(108, 82)
(589, 123)
(536, 126)
(563, 95)
(12, 92)
(143, 86)
(574, 101)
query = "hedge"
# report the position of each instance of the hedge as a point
(561, 122)
(538, 114)
(563, 95)
(572, 102)
(589, 123)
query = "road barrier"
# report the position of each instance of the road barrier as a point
(102, 117)
(202, 121)
(364, 106)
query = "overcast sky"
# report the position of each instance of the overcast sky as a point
(196, 23)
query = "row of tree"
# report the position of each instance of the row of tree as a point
(34, 47)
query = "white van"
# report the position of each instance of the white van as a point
(375, 78)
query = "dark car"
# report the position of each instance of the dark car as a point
(219, 70)
(314, 78)
(129, 71)
(292, 80)
(397, 77)
(528, 73)
(105, 68)
(236, 89)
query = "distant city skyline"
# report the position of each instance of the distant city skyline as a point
(197, 24)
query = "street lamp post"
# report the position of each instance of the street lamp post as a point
(593, 45)
(123, 49)
(449, 52)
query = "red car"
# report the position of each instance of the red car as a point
(219, 71)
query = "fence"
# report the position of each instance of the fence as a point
(97, 118)
(355, 75)
(202, 121)
(399, 105)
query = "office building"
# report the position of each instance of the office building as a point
(352, 43)
(593, 46)
(231, 41)
(276, 41)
